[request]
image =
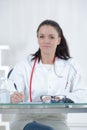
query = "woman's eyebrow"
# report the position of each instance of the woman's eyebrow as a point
(48, 34)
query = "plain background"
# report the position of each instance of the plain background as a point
(19, 20)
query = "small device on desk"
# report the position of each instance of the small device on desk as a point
(55, 99)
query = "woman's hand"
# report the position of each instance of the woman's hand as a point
(17, 97)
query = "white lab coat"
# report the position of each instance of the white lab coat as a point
(62, 78)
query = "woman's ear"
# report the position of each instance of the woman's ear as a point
(59, 40)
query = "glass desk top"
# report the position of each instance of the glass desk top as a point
(43, 108)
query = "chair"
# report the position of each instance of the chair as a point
(36, 126)
(9, 73)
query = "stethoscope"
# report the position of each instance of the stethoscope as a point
(31, 77)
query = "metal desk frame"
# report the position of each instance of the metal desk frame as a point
(42, 108)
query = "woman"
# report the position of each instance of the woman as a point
(50, 71)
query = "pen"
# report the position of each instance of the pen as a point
(15, 86)
(19, 93)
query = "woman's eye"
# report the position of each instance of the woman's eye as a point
(41, 36)
(52, 37)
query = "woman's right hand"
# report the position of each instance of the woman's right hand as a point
(16, 97)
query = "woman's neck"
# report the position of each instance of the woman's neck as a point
(47, 59)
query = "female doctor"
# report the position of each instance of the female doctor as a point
(50, 71)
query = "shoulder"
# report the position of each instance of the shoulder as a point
(70, 63)
(74, 65)
(27, 61)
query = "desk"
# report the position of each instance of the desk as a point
(42, 108)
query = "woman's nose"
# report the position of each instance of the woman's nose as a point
(47, 40)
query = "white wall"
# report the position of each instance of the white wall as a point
(19, 20)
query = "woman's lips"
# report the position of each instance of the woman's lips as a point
(46, 46)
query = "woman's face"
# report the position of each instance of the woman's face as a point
(48, 39)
